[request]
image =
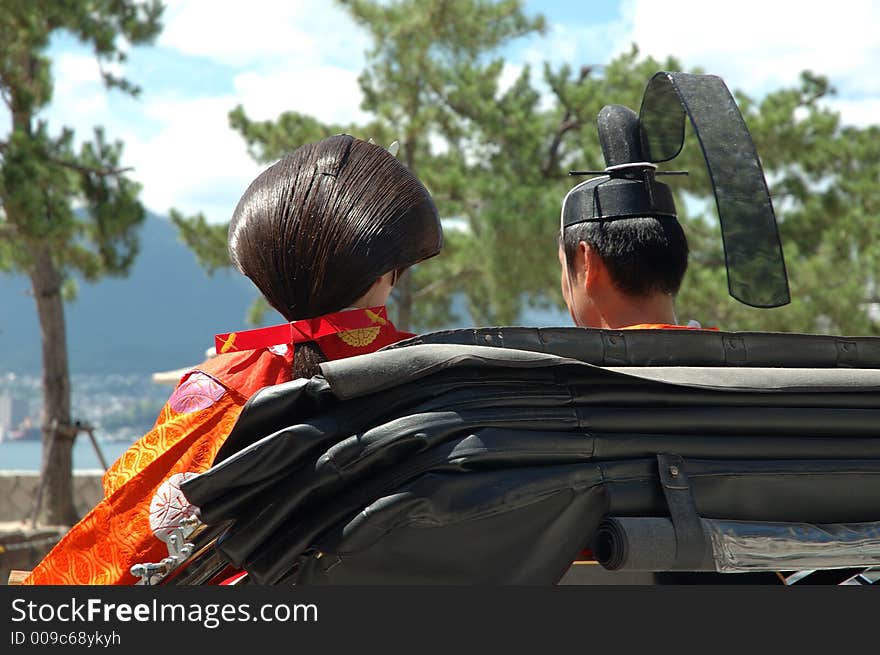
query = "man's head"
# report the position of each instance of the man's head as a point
(624, 271)
(623, 253)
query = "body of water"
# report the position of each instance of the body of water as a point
(25, 455)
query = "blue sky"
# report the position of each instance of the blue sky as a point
(305, 55)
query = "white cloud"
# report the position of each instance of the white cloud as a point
(857, 112)
(194, 162)
(509, 74)
(328, 93)
(182, 150)
(296, 32)
(234, 32)
(758, 45)
(71, 70)
(79, 90)
(282, 57)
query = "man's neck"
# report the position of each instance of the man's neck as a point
(657, 309)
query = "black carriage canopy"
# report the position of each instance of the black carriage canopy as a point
(496, 455)
(633, 144)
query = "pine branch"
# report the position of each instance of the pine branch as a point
(552, 161)
(82, 168)
(466, 110)
(569, 122)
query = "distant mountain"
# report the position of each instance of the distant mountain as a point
(163, 316)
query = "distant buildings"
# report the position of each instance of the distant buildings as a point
(121, 407)
(172, 378)
(15, 423)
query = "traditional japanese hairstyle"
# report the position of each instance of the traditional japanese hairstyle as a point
(316, 229)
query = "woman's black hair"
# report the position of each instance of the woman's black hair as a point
(316, 229)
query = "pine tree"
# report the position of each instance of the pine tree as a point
(63, 209)
(496, 159)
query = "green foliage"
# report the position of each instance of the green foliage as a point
(496, 161)
(63, 210)
(43, 177)
(206, 240)
(429, 80)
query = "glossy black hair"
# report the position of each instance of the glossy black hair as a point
(316, 229)
(644, 255)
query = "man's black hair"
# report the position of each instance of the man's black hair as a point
(643, 255)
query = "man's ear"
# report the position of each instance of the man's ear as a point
(594, 267)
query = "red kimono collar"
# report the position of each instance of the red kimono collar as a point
(309, 329)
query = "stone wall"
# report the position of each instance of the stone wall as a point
(21, 546)
(18, 490)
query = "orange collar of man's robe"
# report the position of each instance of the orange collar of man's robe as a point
(664, 326)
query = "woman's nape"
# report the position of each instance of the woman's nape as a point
(378, 293)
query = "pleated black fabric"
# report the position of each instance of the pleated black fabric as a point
(486, 465)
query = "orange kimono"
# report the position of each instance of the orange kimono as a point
(191, 427)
